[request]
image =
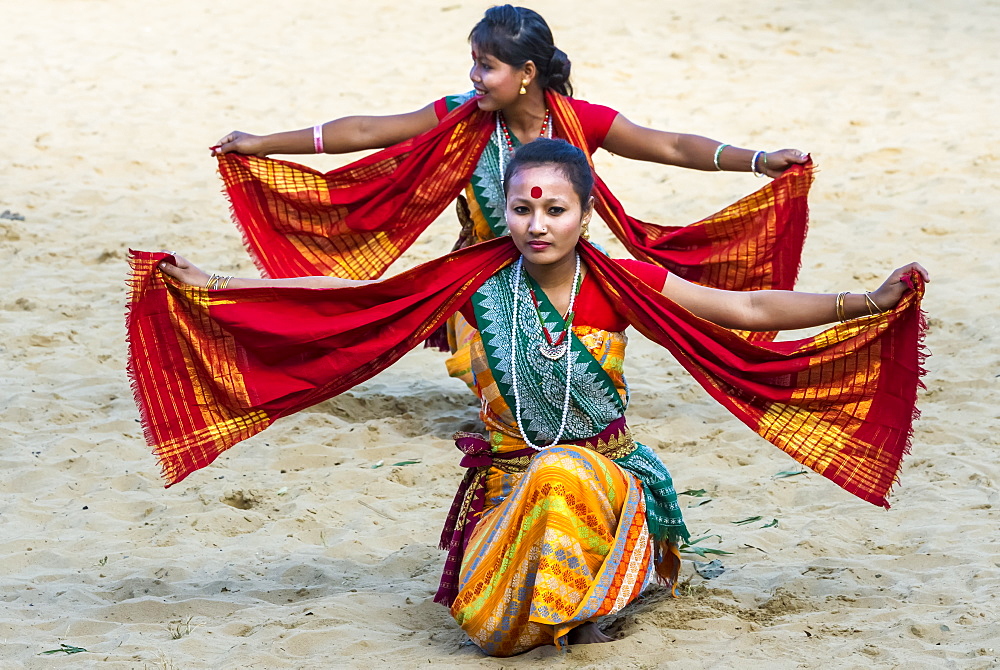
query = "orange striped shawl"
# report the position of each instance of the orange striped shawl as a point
(355, 221)
(212, 368)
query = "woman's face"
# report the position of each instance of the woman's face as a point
(497, 84)
(544, 214)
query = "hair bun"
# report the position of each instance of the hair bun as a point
(558, 71)
(559, 65)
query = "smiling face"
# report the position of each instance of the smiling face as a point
(544, 214)
(497, 84)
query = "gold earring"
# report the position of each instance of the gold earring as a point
(524, 83)
(585, 232)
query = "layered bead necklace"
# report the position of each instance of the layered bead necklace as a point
(505, 144)
(556, 350)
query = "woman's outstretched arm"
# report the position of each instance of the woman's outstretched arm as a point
(785, 310)
(694, 151)
(187, 272)
(340, 136)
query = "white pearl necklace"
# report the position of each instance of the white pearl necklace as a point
(515, 287)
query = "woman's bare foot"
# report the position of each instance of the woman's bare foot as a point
(587, 633)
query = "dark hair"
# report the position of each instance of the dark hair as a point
(570, 160)
(516, 35)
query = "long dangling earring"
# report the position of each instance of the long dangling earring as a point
(585, 230)
(524, 83)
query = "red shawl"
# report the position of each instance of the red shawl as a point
(212, 368)
(355, 221)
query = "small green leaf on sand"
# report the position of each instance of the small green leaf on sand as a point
(378, 464)
(788, 473)
(702, 551)
(690, 548)
(772, 524)
(697, 493)
(743, 522)
(413, 462)
(63, 649)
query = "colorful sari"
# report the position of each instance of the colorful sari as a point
(541, 542)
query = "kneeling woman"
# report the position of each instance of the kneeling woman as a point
(562, 517)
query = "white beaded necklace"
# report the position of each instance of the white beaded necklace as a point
(516, 288)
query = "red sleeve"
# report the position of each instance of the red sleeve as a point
(595, 308)
(450, 103)
(596, 121)
(651, 274)
(441, 108)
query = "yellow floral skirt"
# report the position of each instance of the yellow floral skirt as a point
(561, 544)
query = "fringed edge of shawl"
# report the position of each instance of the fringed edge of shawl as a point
(145, 417)
(922, 354)
(813, 169)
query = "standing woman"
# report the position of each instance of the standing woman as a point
(562, 517)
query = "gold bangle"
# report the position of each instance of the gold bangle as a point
(213, 282)
(841, 316)
(224, 283)
(872, 305)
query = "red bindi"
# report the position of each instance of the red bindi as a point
(536, 192)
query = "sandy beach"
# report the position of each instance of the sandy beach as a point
(294, 550)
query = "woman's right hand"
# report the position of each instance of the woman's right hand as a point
(776, 162)
(892, 289)
(184, 270)
(240, 143)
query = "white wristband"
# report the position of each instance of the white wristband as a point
(318, 138)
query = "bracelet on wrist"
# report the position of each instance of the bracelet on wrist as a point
(217, 282)
(318, 139)
(873, 307)
(841, 314)
(870, 305)
(718, 155)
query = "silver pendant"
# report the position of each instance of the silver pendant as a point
(552, 352)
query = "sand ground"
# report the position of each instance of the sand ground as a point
(292, 551)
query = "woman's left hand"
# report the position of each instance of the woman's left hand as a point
(892, 289)
(773, 163)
